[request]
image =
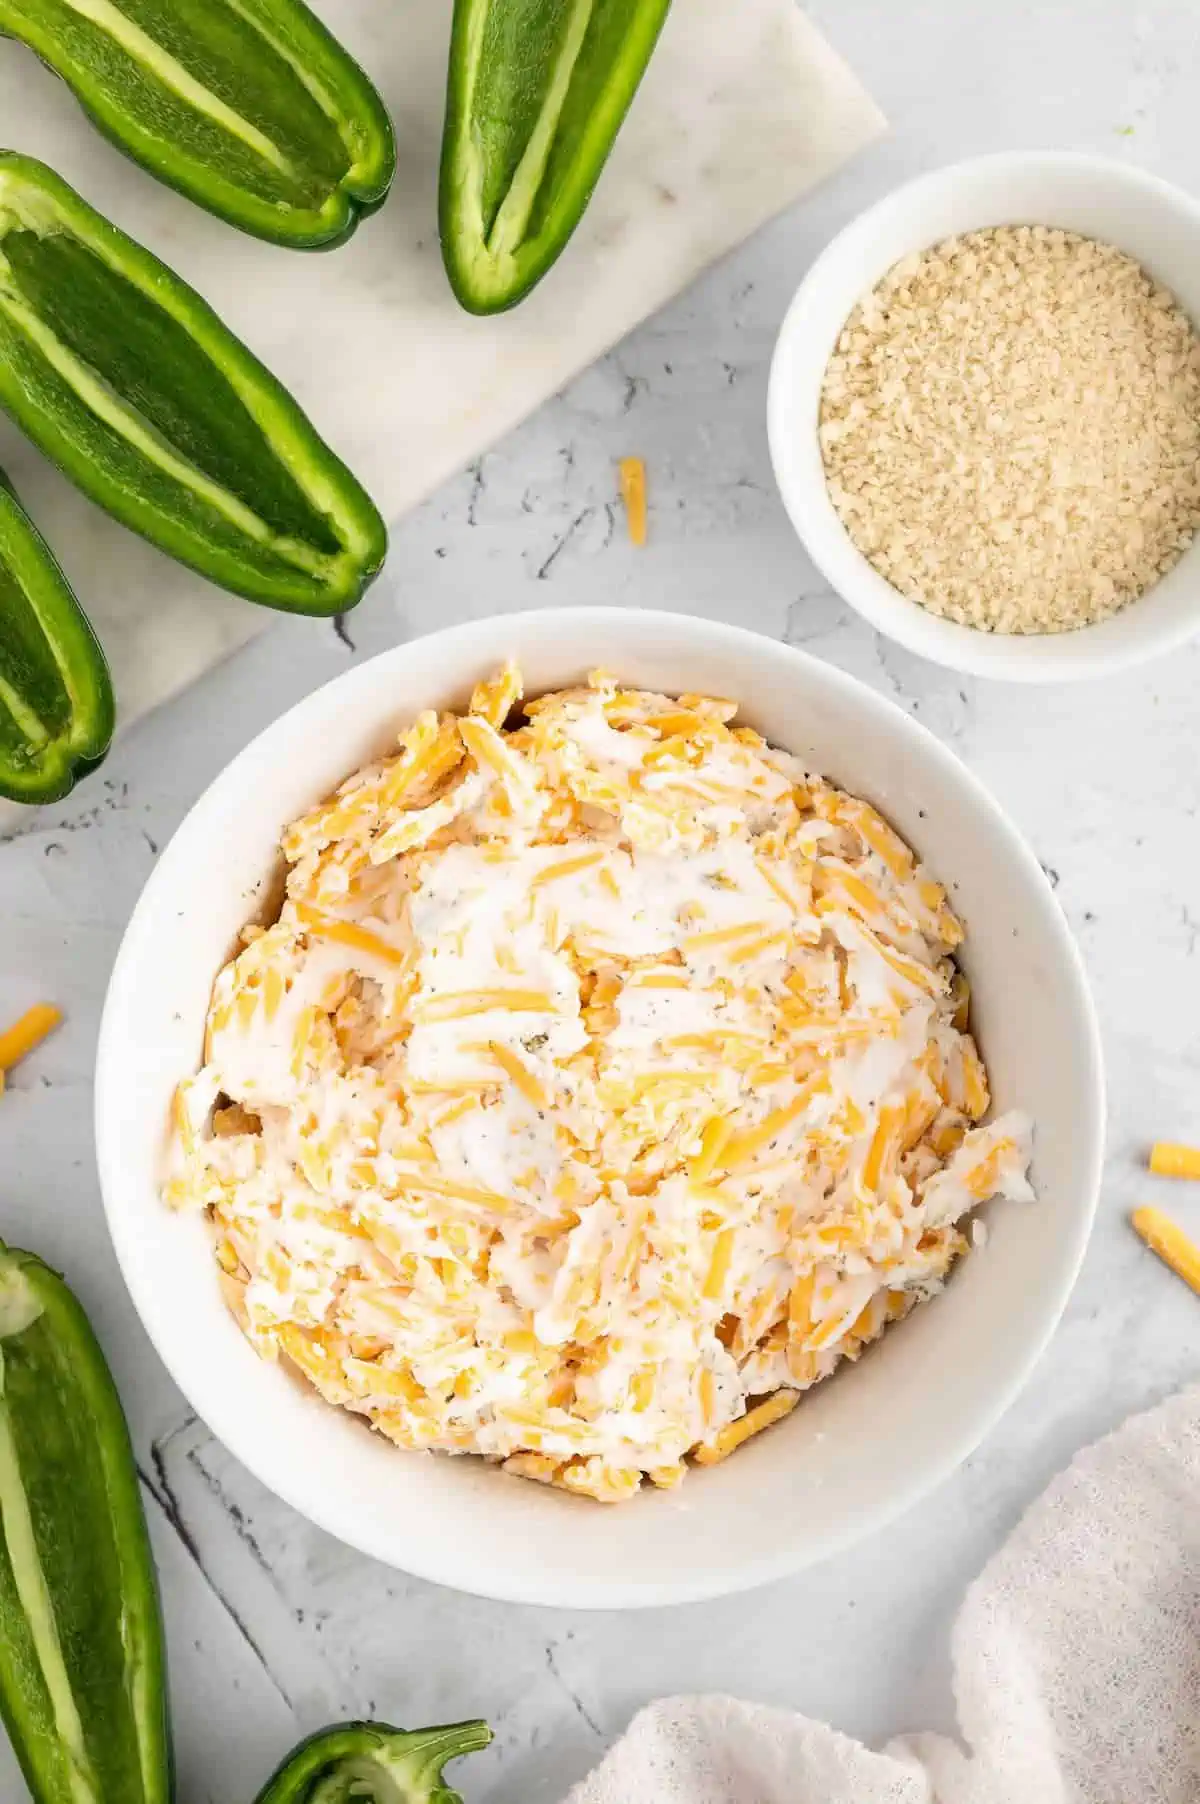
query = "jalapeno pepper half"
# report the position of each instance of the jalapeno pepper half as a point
(370, 1763)
(249, 107)
(127, 380)
(82, 1687)
(56, 698)
(537, 93)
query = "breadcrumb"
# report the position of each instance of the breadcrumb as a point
(1010, 426)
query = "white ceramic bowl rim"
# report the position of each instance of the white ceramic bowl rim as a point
(634, 638)
(1153, 220)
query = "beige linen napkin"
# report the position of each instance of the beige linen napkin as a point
(1076, 1667)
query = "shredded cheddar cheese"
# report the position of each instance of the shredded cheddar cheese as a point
(1168, 1240)
(1167, 1158)
(603, 1084)
(19, 1040)
(632, 474)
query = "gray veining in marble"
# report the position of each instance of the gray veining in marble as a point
(276, 1629)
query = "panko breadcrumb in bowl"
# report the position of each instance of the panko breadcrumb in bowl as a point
(602, 1082)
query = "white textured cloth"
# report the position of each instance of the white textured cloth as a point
(1076, 1667)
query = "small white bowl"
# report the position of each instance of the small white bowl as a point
(1148, 218)
(862, 1446)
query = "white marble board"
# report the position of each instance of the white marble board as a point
(744, 109)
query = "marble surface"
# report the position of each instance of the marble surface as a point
(739, 114)
(274, 1628)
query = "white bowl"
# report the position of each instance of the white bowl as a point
(1152, 221)
(862, 1446)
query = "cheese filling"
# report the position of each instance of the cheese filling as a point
(600, 1078)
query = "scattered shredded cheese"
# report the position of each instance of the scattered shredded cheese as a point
(632, 472)
(624, 1095)
(1170, 1160)
(18, 1041)
(1168, 1240)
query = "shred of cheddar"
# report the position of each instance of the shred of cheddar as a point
(1168, 1240)
(1168, 1159)
(762, 1415)
(632, 476)
(18, 1041)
